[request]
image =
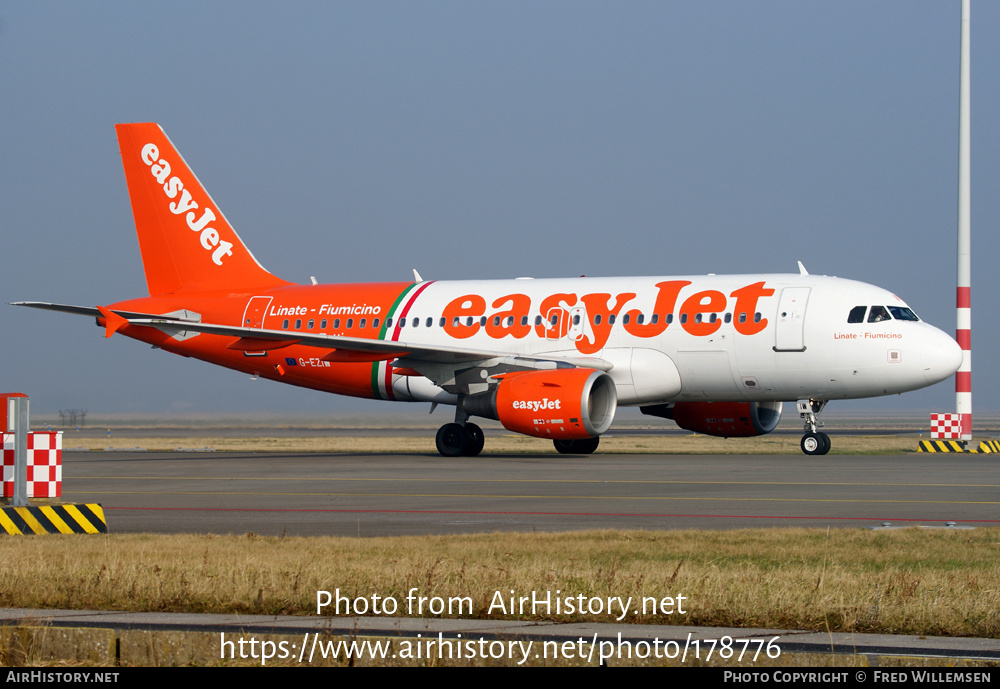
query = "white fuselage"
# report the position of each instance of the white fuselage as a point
(736, 337)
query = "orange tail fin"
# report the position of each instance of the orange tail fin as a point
(186, 242)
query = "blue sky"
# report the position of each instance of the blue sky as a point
(355, 141)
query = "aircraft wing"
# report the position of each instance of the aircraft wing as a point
(342, 348)
(404, 351)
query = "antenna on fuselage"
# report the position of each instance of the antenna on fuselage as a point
(963, 333)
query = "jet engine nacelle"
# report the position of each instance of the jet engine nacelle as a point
(564, 404)
(725, 419)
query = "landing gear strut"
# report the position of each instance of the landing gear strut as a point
(814, 442)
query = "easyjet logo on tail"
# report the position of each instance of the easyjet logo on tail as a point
(172, 186)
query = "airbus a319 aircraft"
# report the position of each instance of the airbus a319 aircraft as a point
(550, 358)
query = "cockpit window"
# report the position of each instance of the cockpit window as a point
(857, 314)
(901, 313)
(878, 314)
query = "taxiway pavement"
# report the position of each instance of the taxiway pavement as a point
(420, 493)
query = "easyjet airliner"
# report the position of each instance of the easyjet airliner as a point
(549, 358)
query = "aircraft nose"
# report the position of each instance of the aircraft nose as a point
(940, 355)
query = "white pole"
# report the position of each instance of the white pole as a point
(963, 379)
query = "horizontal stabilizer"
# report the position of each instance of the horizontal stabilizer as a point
(65, 308)
(94, 311)
(114, 320)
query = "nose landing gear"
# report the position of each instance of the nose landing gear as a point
(814, 442)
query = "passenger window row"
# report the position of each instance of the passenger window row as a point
(414, 322)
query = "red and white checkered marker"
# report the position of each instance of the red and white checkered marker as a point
(946, 426)
(44, 465)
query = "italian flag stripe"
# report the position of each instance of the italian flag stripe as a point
(377, 391)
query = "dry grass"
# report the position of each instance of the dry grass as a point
(930, 582)
(499, 443)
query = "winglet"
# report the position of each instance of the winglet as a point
(802, 269)
(112, 321)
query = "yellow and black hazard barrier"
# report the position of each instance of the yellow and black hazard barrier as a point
(54, 519)
(984, 447)
(941, 446)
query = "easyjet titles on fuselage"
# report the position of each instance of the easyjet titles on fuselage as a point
(510, 315)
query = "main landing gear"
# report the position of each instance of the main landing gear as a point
(465, 439)
(457, 440)
(814, 442)
(462, 438)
